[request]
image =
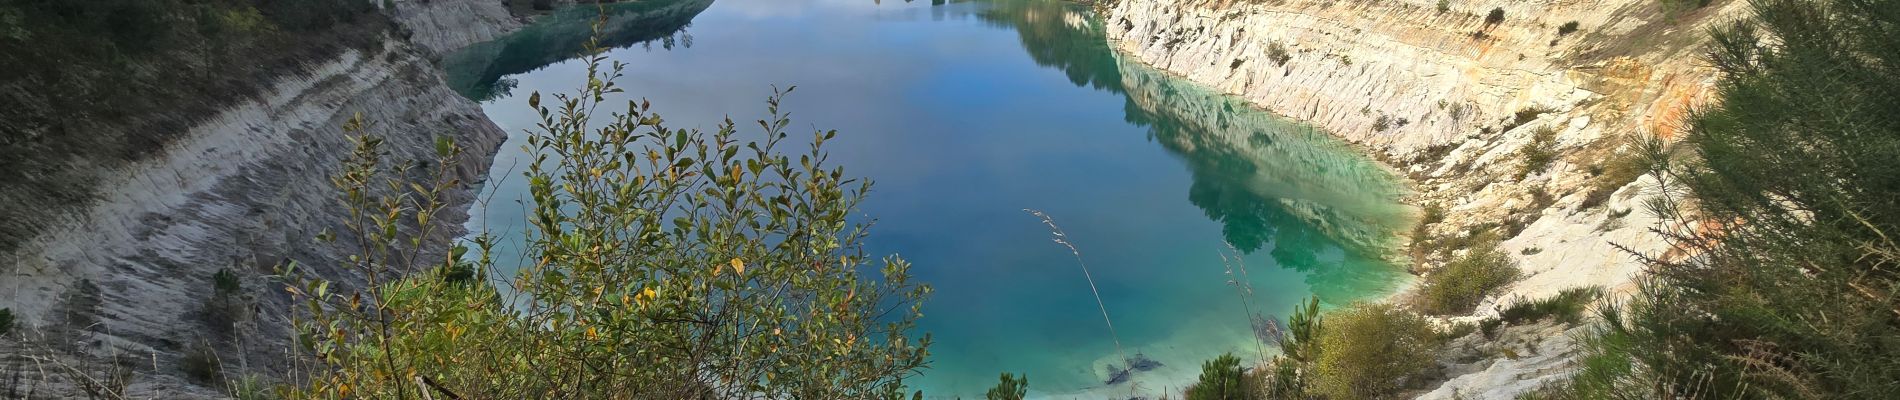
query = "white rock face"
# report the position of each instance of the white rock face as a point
(126, 280)
(1438, 94)
(443, 26)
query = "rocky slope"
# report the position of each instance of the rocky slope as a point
(444, 26)
(1450, 98)
(119, 293)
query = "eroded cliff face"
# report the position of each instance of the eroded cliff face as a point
(117, 295)
(1450, 98)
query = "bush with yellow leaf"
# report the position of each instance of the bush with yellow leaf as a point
(660, 263)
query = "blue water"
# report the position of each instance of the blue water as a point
(966, 113)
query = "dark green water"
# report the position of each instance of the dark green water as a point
(966, 113)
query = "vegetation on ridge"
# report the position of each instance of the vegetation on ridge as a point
(94, 84)
(1781, 203)
(1462, 283)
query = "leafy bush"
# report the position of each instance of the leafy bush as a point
(670, 264)
(1461, 284)
(1567, 28)
(1277, 52)
(1009, 387)
(1495, 17)
(1372, 351)
(1444, 5)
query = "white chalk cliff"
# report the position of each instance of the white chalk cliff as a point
(1438, 94)
(118, 287)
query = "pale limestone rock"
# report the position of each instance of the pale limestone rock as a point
(1351, 64)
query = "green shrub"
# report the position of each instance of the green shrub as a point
(1462, 283)
(1495, 17)
(1568, 28)
(459, 270)
(1792, 295)
(1566, 306)
(1537, 155)
(1444, 5)
(6, 321)
(1277, 52)
(226, 307)
(225, 283)
(1287, 375)
(1221, 379)
(1524, 116)
(1009, 387)
(1371, 351)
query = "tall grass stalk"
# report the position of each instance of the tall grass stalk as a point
(1243, 287)
(1061, 238)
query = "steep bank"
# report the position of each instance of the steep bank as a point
(118, 288)
(442, 27)
(1450, 98)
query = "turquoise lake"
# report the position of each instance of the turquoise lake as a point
(966, 113)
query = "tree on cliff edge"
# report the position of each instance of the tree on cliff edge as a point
(1783, 204)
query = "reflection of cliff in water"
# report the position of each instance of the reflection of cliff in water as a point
(1307, 173)
(1312, 202)
(1061, 36)
(477, 71)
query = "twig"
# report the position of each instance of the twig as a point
(1062, 238)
